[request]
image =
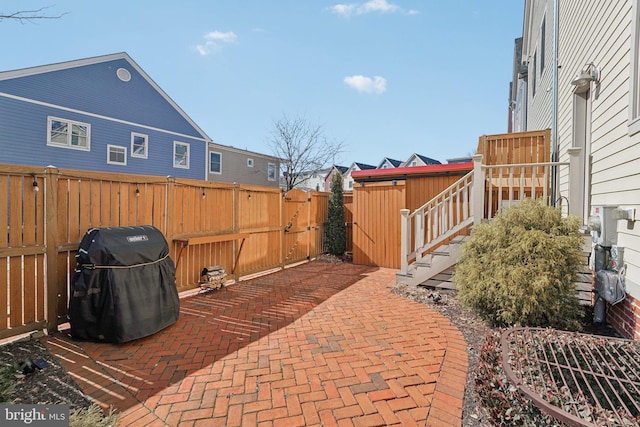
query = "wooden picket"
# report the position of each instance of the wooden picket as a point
(46, 212)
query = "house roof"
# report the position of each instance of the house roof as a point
(460, 160)
(428, 160)
(364, 166)
(395, 163)
(341, 169)
(408, 171)
(42, 69)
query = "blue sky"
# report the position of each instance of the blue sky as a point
(386, 77)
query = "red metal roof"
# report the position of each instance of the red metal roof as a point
(396, 173)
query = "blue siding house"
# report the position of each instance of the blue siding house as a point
(103, 113)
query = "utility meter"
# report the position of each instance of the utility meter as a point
(616, 259)
(603, 226)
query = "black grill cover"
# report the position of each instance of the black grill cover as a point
(124, 286)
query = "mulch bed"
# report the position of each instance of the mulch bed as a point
(49, 385)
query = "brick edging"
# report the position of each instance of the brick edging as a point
(448, 398)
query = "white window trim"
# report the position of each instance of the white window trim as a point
(219, 154)
(68, 145)
(146, 145)
(118, 147)
(543, 44)
(275, 171)
(249, 163)
(634, 80)
(175, 145)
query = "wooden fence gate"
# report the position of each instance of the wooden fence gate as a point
(297, 226)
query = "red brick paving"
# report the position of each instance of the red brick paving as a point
(317, 344)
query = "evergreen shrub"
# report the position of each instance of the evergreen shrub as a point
(520, 268)
(336, 234)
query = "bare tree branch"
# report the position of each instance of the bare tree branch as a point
(24, 16)
(302, 146)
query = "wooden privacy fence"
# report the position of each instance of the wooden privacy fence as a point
(376, 220)
(46, 212)
(517, 165)
(348, 219)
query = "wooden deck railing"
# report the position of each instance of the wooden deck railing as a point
(505, 185)
(474, 198)
(437, 220)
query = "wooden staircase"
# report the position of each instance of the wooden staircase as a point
(433, 264)
(433, 235)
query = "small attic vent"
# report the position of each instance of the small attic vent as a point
(123, 74)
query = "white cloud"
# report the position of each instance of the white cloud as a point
(343, 9)
(380, 6)
(213, 40)
(363, 84)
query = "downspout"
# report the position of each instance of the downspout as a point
(554, 105)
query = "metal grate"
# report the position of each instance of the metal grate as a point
(579, 379)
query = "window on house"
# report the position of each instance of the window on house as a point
(271, 172)
(350, 184)
(414, 163)
(543, 30)
(139, 145)
(69, 134)
(116, 155)
(634, 90)
(250, 163)
(215, 162)
(180, 155)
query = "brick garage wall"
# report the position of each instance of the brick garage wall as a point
(625, 317)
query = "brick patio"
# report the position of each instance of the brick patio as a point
(317, 344)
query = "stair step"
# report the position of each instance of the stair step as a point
(442, 280)
(424, 264)
(459, 240)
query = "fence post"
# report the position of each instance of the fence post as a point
(236, 222)
(168, 209)
(405, 241)
(576, 192)
(309, 198)
(51, 220)
(477, 191)
(283, 196)
(419, 233)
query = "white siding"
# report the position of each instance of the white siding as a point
(600, 32)
(539, 112)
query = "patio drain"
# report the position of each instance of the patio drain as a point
(579, 379)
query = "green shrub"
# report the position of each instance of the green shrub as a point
(336, 234)
(520, 268)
